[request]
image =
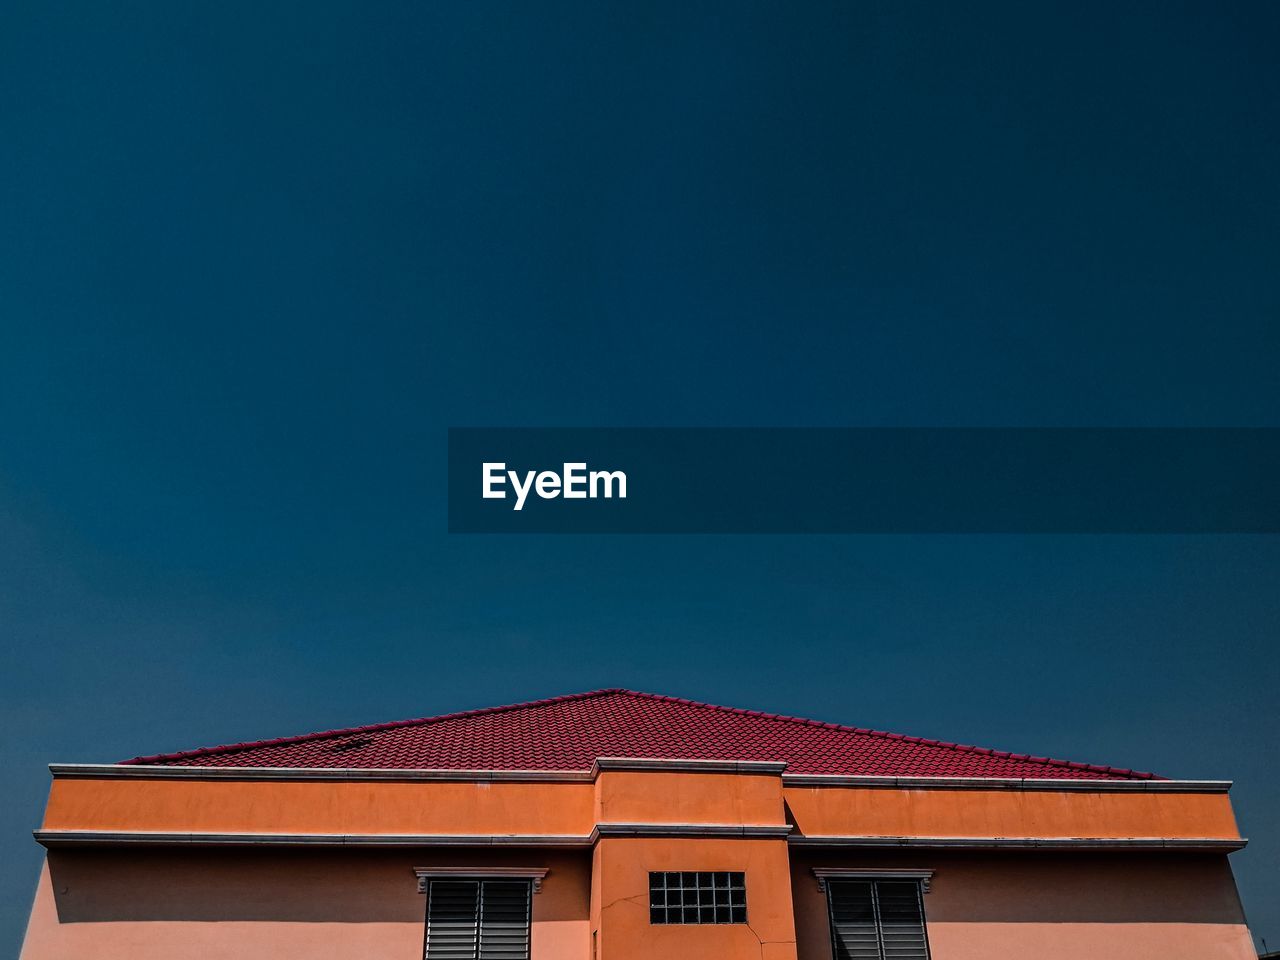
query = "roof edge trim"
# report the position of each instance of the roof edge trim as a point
(756, 831)
(673, 764)
(1087, 785)
(1202, 844)
(631, 764)
(52, 838)
(166, 772)
(55, 838)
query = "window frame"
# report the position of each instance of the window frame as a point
(530, 877)
(921, 878)
(733, 892)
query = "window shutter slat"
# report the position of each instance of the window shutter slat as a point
(504, 920)
(901, 920)
(877, 920)
(853, 920)
(478, 920)
(453, 920)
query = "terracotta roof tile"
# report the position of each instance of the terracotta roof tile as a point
(569, 733)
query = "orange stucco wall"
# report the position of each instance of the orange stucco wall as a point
(670, 797)
(260, 905)
(153, 902)
(888, 812)
(490, 808)
(219, 904)
(620, 899)
(1050, 906)
(310, 806)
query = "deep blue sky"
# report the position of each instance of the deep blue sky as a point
(256, 258)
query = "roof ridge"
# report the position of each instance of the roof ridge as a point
(884, 734)
(367, 728)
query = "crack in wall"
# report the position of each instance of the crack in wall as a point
(614, 903)
(761, 941)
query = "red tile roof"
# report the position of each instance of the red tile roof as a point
(569, 733)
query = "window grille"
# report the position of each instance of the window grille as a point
(698, 897)
(877, 920)
(477, 920)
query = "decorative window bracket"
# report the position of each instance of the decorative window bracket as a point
(426, 874)
(840, 873)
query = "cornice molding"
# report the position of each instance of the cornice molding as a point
(1007, 783)
(1215, 844)
(112, 771)
(676, 765)
(52, 838)
(731, 830)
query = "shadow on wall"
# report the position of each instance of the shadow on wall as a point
(307, 886)
(1042, 887)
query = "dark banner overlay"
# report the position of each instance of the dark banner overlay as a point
(743, 480)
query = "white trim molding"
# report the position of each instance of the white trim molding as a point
(426, 874)
(1007, 783)
(732, 830)
(1204, 844)
(51, 838)
(138, 771)
(841, 873)
(142, 771)
(671, 765)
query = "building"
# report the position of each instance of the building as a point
(616, 825)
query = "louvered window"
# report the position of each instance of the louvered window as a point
(877, 920)
(478, 920)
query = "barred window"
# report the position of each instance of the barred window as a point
(877, 920)
(698, 897)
